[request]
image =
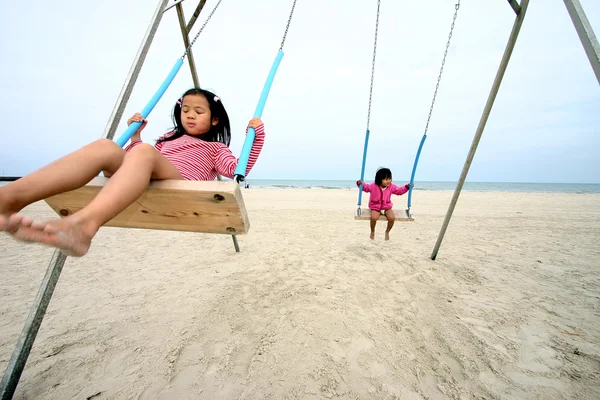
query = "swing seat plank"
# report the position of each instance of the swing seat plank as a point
(176, 205)
(398, 216)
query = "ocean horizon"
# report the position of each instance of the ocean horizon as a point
(523, 187)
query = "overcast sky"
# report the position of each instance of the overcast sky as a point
(64, 63)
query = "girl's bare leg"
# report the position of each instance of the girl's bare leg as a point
(374, 217)
(389, 214)
(67, 173)
(74, 234)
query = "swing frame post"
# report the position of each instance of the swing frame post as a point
(134, 72)
(195, 15)
(177, 2)
(18, 360)
(186, 42)
(515, 6)
(592, 49)
(586, 34)
(185, 31)
(522, 8)
(38, 309)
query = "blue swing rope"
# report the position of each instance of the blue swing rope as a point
(240, 171)
(368, 133)
(412, 176)
(131, 129)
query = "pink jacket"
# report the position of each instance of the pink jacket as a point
(380, 199)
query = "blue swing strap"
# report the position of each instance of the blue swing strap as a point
(412, 176)
(368, 132)
(240, 171)
(131, 129)
(362, 172)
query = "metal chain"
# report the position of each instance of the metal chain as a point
(373, 65)
(201, 29)
(456, 7)
(287, 27)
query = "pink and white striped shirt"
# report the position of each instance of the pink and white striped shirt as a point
(198, 160)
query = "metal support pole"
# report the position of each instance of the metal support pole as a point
(195, 16)
(117, 113)
(484, 117)
(235, 243)
(32, 325)
(586, 34)
(172, 5)
(515, 6)
(190, 55)
(186, 42)
(21, 352)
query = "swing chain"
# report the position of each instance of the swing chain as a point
(201, 29)
(456, 7)
(373, 65)
(287, 27)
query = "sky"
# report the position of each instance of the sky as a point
(64, 64)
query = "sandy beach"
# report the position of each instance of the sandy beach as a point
(313, 309)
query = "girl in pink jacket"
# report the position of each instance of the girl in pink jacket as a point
(380, 199)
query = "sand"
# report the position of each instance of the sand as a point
(313, 309)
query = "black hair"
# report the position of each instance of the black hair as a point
(221, 132)
(381, 174)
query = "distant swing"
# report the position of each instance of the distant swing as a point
(406, 215)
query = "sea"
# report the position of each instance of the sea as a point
(533, 187)
(434, 185)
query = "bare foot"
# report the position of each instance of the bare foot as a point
(11, 223)
(69, 235)
(3, 223)
(387, 236)
(372, 235)
(6, 211)
(8, 207)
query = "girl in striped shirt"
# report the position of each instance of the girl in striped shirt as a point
(196, 149)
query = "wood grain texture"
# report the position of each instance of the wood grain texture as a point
(399, 216)
(177, 205)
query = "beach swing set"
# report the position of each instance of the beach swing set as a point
(406, 215)
(217, 206)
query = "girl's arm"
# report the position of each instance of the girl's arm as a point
(134, 142)
(366, 186)
(136, 138)
(226, 162)
(400, 190)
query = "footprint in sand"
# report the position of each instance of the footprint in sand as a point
(188, 364)
(430, 384)
(429, 387)
(456, 370)
(356, 348)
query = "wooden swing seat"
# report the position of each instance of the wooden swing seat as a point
(176, 205)
(398, 216)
